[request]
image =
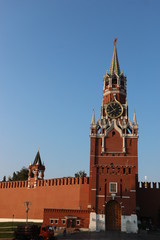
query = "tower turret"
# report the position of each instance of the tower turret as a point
(34, 170)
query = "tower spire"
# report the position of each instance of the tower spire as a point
(115, 64)
(93, 118)
(134, 119)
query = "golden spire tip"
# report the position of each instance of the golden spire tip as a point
(115, 41)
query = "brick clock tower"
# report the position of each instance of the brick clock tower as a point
(113, 157)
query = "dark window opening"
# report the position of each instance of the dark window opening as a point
(56, 221)
(107, 83)
(129, 131)
(77, 222)
(130, 142)
(63, 221)
(113, 133)
(112, 165)
(124, 170)
(129, 170)
(122, 83)
(121, 190)
(114, 81)
(98, 130)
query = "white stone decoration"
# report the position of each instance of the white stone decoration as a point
(129, 223)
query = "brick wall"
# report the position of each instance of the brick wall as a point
(59, 218)
(148, 201)
(71, 193)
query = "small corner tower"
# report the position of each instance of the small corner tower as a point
(34, 170)
(113, 157)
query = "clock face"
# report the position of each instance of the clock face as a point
(114, 109)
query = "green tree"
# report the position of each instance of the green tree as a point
(4, 179)
(81, 174)
(20, 175)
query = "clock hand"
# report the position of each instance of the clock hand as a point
(112, 111)
(111, 106)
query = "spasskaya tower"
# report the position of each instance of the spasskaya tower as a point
(113, 157)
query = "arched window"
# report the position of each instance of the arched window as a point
(114, 82)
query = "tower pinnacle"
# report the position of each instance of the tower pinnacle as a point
(135, 120)
(115, 64)
(93, 118)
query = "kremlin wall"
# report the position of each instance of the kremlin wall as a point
(71, 193)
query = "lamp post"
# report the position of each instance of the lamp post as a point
(12, 221)
(27, 204)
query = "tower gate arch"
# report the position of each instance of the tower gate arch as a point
(113, 215)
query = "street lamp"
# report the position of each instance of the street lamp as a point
(27, 204)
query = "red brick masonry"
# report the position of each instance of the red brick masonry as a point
(66, 218)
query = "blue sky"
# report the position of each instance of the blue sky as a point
(53, 56)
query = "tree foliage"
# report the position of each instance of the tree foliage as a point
(19, 175)
(81, 174)
(4, 179)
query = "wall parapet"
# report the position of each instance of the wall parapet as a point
(63, 181)
(14, 184)
(148, 185)
(46, 182)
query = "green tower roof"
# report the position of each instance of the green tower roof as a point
(115, 64)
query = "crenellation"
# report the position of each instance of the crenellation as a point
(69, 181)
(154, 185)
(149, 185)
(39, 184)
(58, 182)
(81, 180)
(45, 183)
(15, 184)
